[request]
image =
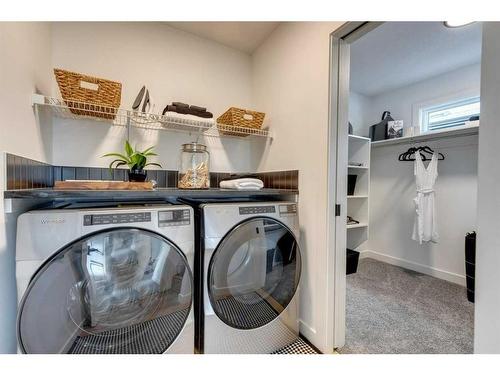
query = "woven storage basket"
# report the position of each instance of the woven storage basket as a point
(101, 98)
(242, 118)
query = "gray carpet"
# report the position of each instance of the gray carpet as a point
(394, 310)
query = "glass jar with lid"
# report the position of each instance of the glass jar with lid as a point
(194, 168)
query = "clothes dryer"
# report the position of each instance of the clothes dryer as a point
(114, 280)
(251, 266)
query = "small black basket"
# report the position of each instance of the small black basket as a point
(352, 261)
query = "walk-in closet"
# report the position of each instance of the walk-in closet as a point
(414, 114)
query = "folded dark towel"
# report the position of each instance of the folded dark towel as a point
(235, 176)
(180, 105)
(202, 114)
(173, 108)
(186, 111)
(183, 110)
(197, 109)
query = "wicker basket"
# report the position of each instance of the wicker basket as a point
(89, 96)
(241, 118)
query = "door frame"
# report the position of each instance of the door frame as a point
(338, 130)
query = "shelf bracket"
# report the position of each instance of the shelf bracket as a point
(128, 128)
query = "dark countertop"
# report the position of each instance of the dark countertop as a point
(158, 194)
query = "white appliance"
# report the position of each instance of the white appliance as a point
(116, 280)
(251, 273)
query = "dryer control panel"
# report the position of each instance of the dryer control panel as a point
(288, 209)
(252, 210)
(170, 218)
(116, 218)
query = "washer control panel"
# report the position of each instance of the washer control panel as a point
(288, 209)
(171, 218)
(103, 219)
(252, 210)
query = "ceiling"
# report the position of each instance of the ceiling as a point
(397, 54)
(243, 36)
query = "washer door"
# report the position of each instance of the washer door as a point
(254, 273)
(117, 291)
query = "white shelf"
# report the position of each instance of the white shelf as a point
(360, 225)
(357, 167)
(358, 203)
(120, 117)
(459, 131)
(358, 138)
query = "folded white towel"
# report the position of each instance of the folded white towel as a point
(242, 184)
(189, 119)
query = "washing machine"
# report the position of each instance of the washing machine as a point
(251, 266)
(99, 281)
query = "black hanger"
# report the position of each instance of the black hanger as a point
(406, 155)
(431, 152)
(424, 151)
(403, 155)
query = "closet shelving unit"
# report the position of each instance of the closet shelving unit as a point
(358, 204)
(127, 118)
(458, 131)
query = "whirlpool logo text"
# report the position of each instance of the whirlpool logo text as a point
(53, 221)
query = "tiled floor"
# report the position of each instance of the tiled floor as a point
(260, 314)
(298, 347)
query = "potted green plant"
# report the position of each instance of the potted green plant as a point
(135, 160)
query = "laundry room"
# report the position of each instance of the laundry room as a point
(230, 187)
(148, 125)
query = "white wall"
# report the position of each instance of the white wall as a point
(392, 210)
(403, 103)
(24, 69)
(173, 64)
(487, 313)
(359, 106)
(290, 82)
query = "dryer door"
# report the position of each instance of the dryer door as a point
(254, 273)
(121, 290)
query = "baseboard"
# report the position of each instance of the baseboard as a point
(431, 271)
(306, 330)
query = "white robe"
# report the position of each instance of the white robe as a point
(425, 227)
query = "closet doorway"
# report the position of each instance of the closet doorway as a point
(402, 91)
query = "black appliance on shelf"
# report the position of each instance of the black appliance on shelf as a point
(378, 132)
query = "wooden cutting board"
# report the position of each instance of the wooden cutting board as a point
(102, 185)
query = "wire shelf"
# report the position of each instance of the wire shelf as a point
(119, 117)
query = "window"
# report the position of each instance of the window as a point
(449, 114)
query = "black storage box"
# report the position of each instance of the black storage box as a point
(470, 268)
(470, 296)
(470, 264)
(352, 261)
(351, 183)
(378, 132)
(470, 247)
